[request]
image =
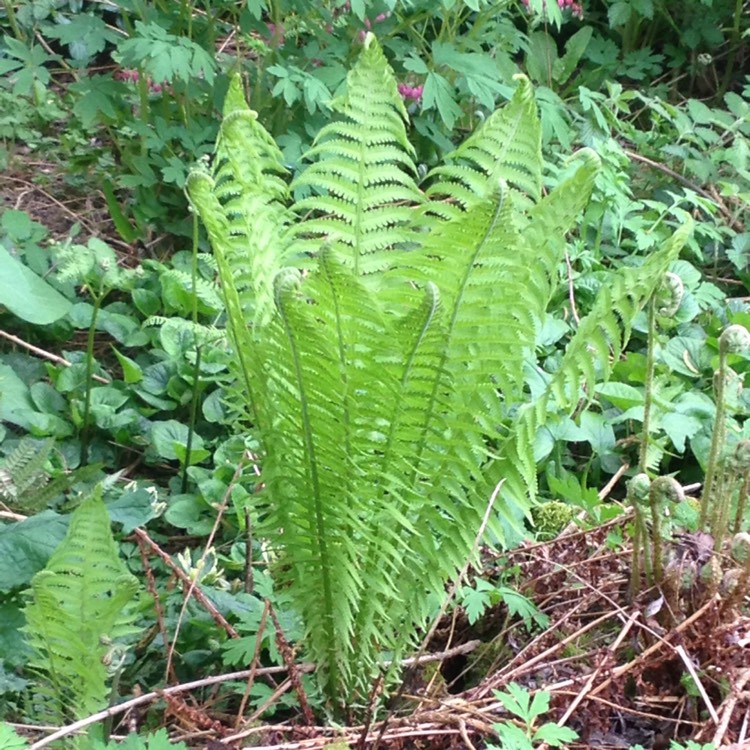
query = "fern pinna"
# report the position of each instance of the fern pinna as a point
(382, 331)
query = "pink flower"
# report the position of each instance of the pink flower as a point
(413, 93)
(277, 34)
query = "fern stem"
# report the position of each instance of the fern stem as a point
(648, 386)
(13, 21)
(741, 502)
(197, 368)
(85, 429)
(193, 417)
(717, 439)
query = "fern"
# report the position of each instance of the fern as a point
(78, 607)
(362, 179)
(25, 484)
(23, 474)
(507, 147)
(382, 338)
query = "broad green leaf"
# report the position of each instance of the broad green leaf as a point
(13, 648)
(170, 441)
(574, 49)
(599, 432)
(27, 295)
(623, 396)
(191, 513)
(25, 547)
(15, 398)
(679, 428)
(541, 57)
(132, 509)
(131, 370)
(619, 13)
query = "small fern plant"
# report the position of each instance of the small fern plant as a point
(382, 328)
(78, 611)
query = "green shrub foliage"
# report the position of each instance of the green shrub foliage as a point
(382, 327)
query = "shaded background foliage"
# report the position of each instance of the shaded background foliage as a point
(105, 108)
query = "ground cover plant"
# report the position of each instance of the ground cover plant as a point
(429, 421)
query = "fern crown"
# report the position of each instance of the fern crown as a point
(382, 330)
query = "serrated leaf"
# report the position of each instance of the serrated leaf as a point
(438, 93)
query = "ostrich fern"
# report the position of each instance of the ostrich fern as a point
(385, 378)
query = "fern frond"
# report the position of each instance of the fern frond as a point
(250, 367)
(589, 358)
(78, 605)
(308, 472)
(249, 192)
(604, 332)
(362, 180)
(22, 473)
(507, 147)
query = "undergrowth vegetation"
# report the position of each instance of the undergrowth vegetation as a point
(373, 350)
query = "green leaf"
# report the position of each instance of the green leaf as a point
(46, 398)
(25, 547)
(17, 224)
(15, 398)
(78, 606)
(575, 47)
(146, 301)
(512, 737)
(541, 57)
(27, 295)
(124, 228)
(213, 407)
(539, 704)
(13, 649)
(131, 370)
(170, 441)
(157, 741)
(515, 699)
(521, 606)
(132, 509)
(439, 93)
(85, 33)
(476, 599)
(598, 432)
(191, 513)
(9, 740)
(619, 13)
(621, 395)
(555, 735)
(679, 428)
